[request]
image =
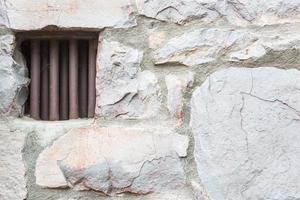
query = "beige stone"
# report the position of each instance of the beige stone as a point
(113, 160)
(175, 96)
(34, 15)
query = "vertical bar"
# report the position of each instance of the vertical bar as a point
(35, 80)
(73, 79)
(54, 80)
(83, 79)
(92, 78)
(44, 81)
(64, 81)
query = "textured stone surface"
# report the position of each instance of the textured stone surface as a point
(12, 169)
(12, 76)
(214, 45)
(169, 195)
(176, 87)
(201, 46)
(113, 160)
(175, 96)
(70, 14)
(3, 14)
(246, 129)
(47, 131)
(178, 11)
(123, 90)
(237, 12)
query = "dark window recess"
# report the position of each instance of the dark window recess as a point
(62, 70)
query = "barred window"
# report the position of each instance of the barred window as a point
(62, 69)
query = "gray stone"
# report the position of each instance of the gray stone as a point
(236, 12)
(201, 46)
(13, 92)
(3, 15)
(12, 168)
(260, 12)
(215, 45)
(113, 160)
(178, 11)
(123, 90)
(246, 128)
(71, 15)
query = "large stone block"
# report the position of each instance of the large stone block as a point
(113, 160)
(13, 92)
(246, 127)
(236, 12)
(12, 168)
(70, 14)
(123, 90)
(201, 46)
(215, 45)
(178, 11)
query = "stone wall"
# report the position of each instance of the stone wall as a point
(196, 99)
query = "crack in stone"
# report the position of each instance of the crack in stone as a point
(242, 126)
(235, 6)
(167, 8)
(241, 115)
(247, 185)
(273, 101)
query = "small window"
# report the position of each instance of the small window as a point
(62, 69)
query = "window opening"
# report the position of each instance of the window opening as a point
(62, 69)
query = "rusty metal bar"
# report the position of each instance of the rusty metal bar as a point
(44, 81)
(64, 81)
(35, 80)
(92, 78)
(73, 79)
(54, 80)
(83, 79)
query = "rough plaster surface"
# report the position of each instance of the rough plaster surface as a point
(71, 14)
(12, 168)
(123, 90)
(113, 160)
(246, 128)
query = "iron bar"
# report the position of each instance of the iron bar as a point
(35, 80)
(83, 79)
(73, 79)
(54, 80)
(64, 81)
(92, 78)
(44, 81)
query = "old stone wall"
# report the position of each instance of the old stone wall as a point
(196, 99)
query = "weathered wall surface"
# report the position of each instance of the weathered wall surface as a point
(196, 99)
